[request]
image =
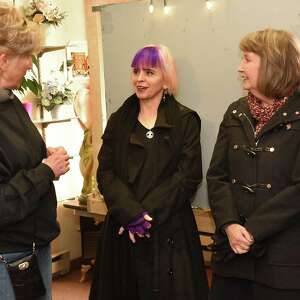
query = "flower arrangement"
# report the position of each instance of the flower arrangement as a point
(40, 11)
(55, 93)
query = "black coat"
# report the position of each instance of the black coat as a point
(256, 182)
(27, 193)
(169, 265)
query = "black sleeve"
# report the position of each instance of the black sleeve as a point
(171, 195)
(118, 197)
(21, 194)
(218, 183)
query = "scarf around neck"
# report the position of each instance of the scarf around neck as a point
(262, 112)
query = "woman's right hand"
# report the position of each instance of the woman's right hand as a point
(58, 161)
(239, 238)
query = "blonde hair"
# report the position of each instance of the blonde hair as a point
(279, 73)
(17, 35)
(158, 56)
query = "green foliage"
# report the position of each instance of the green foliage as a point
(30, 82)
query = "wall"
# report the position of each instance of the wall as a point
(204, 44)
(72, 29)
(69, 135)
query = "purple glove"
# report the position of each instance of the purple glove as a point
(139, 225)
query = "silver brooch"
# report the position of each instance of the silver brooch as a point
(149, 134)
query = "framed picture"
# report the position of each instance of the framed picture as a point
(77, 59)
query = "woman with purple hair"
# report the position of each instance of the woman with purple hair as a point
(149, 169)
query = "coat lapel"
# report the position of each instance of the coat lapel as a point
(243, 114)
(288, 113)
(137, 153)
(136, 157)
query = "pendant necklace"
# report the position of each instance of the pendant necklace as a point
(150, 134)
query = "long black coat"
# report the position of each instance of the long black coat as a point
(256, 182)
(169, 265)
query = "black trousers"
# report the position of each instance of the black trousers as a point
(240, 289)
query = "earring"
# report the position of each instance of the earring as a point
(165, 91)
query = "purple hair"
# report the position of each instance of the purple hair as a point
(158, 56)
(147, 57)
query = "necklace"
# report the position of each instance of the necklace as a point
(150, 134)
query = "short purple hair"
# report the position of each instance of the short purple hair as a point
(158, 56)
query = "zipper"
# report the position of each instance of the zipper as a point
(253, 129)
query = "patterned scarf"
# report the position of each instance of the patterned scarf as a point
(262, 112)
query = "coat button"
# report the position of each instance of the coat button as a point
(272, 149)
(288, 126)
(170, 272)
(234, 111)
(235, 147)
(233, 180)
(284, 114)
(269, 186)
(297, 112)
(171, 241)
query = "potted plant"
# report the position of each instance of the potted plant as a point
(53, 95)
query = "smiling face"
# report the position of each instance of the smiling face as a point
(147, 82)
(249, 70)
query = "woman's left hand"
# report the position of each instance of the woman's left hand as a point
(145, 233)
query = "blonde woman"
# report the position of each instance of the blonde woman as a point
(254, 176)
(27, 169)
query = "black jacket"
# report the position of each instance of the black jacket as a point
(26, 189)
(256, 182)
(173, 250)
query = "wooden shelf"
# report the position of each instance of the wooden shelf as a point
(47, 122)
(50, 49)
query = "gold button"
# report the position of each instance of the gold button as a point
(233, 180)
(297, 112)
(272, 149)
(235, 146)
(269, 186)
(234, 111)
(284, 114)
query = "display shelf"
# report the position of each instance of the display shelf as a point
(46, 122)
(50, 49)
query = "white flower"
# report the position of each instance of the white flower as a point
(45, 102)
(49, 13)
(55, 93)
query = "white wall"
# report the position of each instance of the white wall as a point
(68, 134)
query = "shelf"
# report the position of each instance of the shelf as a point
(47, 122)
(50, 49)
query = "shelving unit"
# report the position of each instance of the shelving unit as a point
(47, 122)
(63, 131)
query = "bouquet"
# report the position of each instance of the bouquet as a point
(55, 93)
(40, 11)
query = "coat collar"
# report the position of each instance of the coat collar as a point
(288, 113)
(138, 155)
(161, 122)
(6, 95)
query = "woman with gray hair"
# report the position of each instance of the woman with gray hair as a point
(27, 169)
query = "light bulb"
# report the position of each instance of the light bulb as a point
(209, 4)
(151, 8)
(166, 8)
